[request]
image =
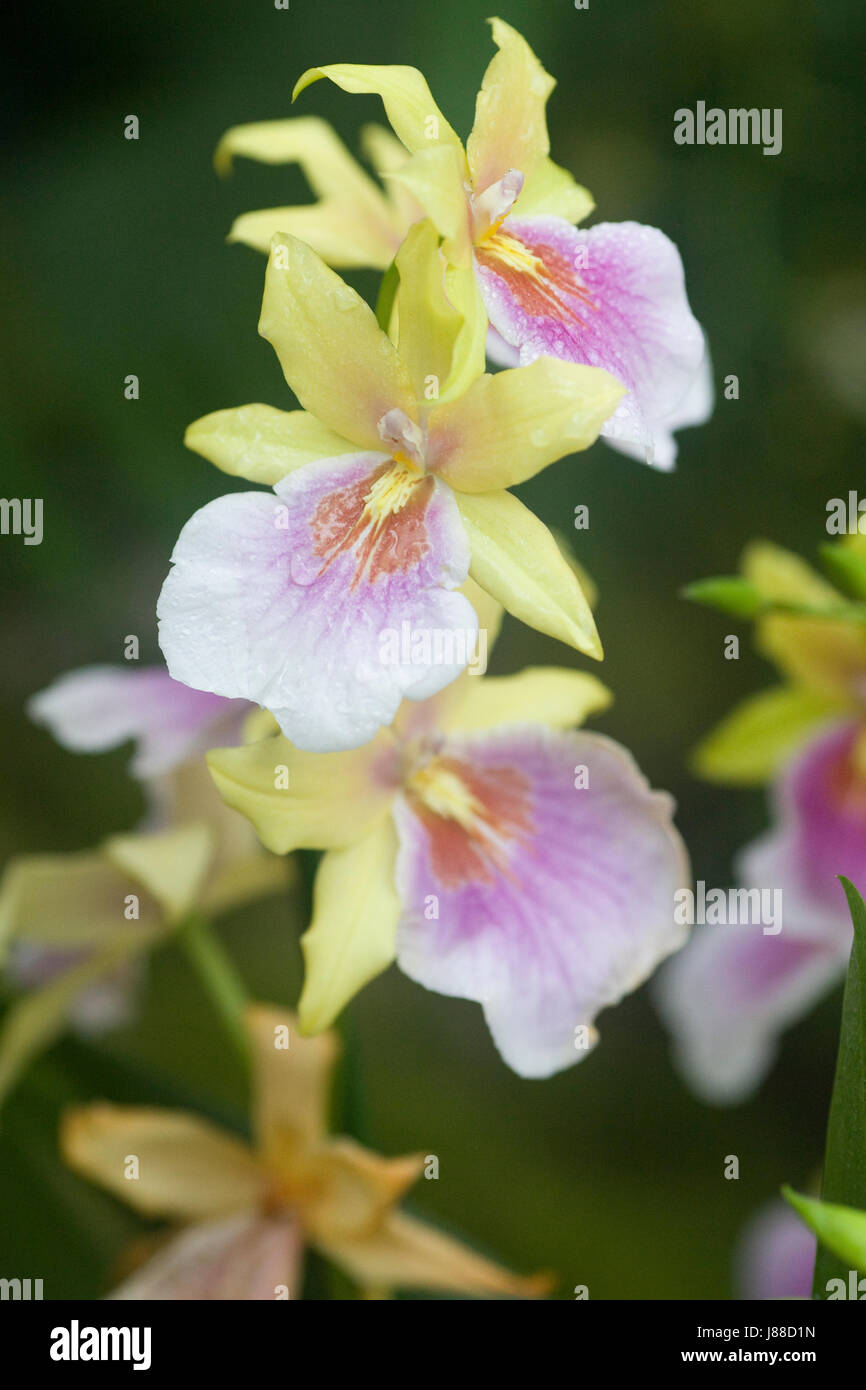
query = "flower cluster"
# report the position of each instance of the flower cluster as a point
(326, 637)
(734, 989)
(495, 855)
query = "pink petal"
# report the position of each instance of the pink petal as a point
(776, 1256)
(614, 297)
(99, 707)
(241, 1259)
(289, 601)
(734, 989)
(553, 902)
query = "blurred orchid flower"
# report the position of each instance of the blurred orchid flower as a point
(390, 488)
(821, 656)
(75, 928)
(247, 1211)
(775, 1256)
(734, 989)
(730, 994)
(613, 296)
(354, 222)
(496, 855)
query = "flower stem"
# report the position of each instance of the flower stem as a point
(219, 978)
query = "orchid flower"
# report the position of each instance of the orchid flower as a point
(612, 296)
(390, 489)
(75, 928)
(354, 222)
(821, 656)
(732, 991)
(775, 1255)
(247, 1211)
(495, 853)
(730, 994)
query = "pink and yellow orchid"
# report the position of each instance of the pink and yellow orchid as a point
(391, 487)
(75, 928)
(732, 992)
(246, 1212)
(497, 855)
(613, 296)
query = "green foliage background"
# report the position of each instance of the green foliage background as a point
(115, 262)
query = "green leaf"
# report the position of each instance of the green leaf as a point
(742, 599)
(846, 568)
(844, 1181)
(729, 593)
(841, 1229)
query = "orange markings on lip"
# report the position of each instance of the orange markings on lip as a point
(537, 276)
(383, 544)
(473, 848)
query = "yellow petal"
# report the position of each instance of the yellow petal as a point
(507, 427)
(470, 349)
(552, 192)
(33, 1022)
(414, 115)
(291, 1083)
(345, 1191)
(328, 166)
(334, 355)
(435, 179)
(353, 224)
(240, 871)
(428, 323)
(187, 1169)
(68, 901)
(757, 738)
(538, 695)
(352, 937)
(333, 231)
(262, 444)
(330, 800)
(510, 130)
(386, 155)
(172, 865)
(405, 1253)
(517, 560)
(827, 656)
(779, 574)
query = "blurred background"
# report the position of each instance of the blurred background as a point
(115, 263)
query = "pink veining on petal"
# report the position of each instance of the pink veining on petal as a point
(612, 297)
(476, 850)
(541, 897)
(288, 601)
(395, 544)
